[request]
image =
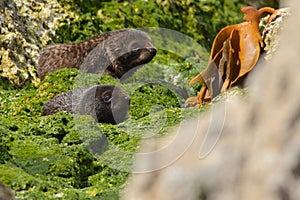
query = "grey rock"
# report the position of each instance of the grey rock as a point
(6, 193)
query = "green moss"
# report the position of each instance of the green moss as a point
(161, 98)
(87, 79)
(74, 152)
(17, 178)
(199, 19)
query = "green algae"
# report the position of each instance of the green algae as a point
(68, 156)
(199, 19)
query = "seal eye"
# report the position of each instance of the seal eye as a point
(107, 98)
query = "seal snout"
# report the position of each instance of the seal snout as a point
(152, 51)
(127, 100)
(120, 105)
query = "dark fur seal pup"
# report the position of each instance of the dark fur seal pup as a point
(113, 53)
(105, 103)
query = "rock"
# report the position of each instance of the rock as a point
(271, 32)
(241, 149)
(6, 193)
(25, 26)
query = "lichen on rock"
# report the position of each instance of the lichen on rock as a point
(25, 27)
(272, 31)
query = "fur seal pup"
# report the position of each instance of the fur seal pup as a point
(113, 53)
(105, 103)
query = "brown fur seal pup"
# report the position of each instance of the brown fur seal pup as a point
(105, 103)
(113, 53)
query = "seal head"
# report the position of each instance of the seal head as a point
(105, 103)
(113, 53)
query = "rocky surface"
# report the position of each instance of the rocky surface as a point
(25, 27)
(271, 32)
(5, 193)
(242, 149)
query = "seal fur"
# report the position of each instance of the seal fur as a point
(113, 53)
(105, 103)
